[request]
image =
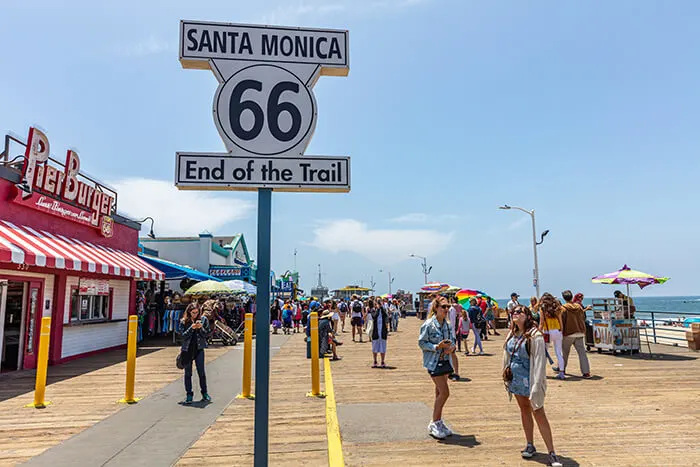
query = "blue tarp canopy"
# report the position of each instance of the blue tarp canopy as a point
(174, 271)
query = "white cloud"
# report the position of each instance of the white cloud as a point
(517, 224)
(173, 209)
(150, 46)
(381, 246)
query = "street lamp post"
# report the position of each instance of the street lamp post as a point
(424, 264)
(391, 279)
(534, 242)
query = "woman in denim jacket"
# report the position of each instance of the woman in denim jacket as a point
(434, 341)
(195, 329)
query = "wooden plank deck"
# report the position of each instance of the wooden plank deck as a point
(635, 411)
(83, 392)
(297, 423)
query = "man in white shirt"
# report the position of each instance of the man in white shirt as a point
(356, 314)
(452, 316)
(511, 305)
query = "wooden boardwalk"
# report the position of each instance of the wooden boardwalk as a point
(83, 392)
(634, 412)
(297, 422)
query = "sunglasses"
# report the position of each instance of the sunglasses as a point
(445, 307)
(518, 312)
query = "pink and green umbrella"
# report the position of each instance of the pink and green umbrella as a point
(629, 276)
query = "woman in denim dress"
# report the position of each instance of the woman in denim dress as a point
(524, 353)
(438, 348)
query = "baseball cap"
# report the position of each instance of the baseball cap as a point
(514, 295)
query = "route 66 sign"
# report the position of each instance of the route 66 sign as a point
(264, 105)
(265, 110)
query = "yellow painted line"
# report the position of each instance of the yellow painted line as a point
(335, 445)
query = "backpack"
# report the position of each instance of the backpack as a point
(343, 307)
(356, 307)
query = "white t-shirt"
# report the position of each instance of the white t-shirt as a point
(452, 315)
(512, 304)
(356, 314)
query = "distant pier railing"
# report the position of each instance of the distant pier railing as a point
(662, 327)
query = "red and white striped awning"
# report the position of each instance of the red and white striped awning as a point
(25, 245)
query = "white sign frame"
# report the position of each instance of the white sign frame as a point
(228, 163)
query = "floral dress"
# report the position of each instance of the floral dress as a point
(520, 366)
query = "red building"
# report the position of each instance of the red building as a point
(64, 253)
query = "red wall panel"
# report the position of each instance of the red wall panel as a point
(124, 238)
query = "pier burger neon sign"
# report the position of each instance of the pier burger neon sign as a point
(59, 192)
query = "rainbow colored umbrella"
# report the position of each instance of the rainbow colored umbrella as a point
(464, 295)
(629, 276)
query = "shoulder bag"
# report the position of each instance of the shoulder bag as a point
(443, 366)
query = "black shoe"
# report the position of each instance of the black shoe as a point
(529, 451)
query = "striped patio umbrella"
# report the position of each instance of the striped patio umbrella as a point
(434, 287)
(629, 276)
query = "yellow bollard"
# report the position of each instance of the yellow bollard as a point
(131, 361)
(315, 378)
(42, 363)
(247, 358)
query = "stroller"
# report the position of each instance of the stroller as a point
(224, 333)
(220, 330)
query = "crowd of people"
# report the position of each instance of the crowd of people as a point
(448, 327)
(525, 354)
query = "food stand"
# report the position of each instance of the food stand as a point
(614, 326)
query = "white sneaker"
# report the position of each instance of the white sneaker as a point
(435, 431)
(444, 428)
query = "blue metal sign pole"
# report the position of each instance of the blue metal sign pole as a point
(262, 328)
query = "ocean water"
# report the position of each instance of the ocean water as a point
(670, 307)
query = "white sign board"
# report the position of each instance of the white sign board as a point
(200, 41)
(264, 108)
(222, 171)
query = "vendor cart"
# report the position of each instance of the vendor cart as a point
(614, 327)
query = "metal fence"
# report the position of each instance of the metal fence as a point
(660, 327)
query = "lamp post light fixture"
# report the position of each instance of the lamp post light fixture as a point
(150, 234)
(536, 271)
(391, 279)
(424, 264)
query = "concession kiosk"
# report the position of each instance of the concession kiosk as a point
(64, 253)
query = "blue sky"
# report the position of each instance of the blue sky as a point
(585, 111)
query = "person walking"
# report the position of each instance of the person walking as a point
(434, 341)
(343, 310)
(463, 331)
(357, 311)
(573, 318)
(490, 317)
(394, 315)
(551, 326)
(335, 317)
(535, 309)
(475, 319)
(194, 329)
(511, 305)
(380, 331)
(524, 375)
(453, 317)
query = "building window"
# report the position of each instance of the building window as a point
(90, 307)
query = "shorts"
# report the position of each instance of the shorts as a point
(287, 323)
(356, 321)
